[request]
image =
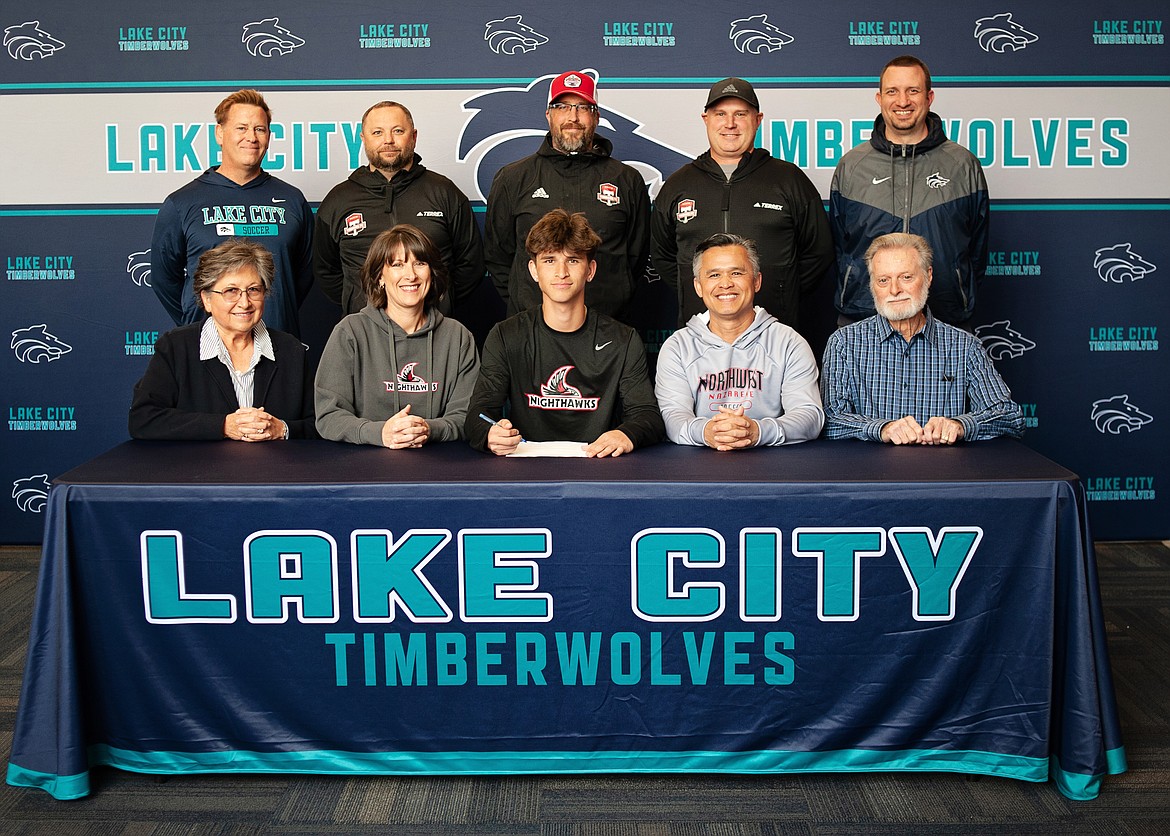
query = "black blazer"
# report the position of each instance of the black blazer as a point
(181, 397)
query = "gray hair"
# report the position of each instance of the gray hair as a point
(900, 241)
(726, 239)
(230, 257)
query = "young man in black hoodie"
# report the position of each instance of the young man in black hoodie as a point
(565, 371)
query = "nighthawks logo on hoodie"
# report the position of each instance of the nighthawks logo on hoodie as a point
(558, 393)
(407, 381)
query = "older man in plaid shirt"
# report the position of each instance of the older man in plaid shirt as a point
(903, 377)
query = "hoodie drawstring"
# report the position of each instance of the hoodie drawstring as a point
(393, 367)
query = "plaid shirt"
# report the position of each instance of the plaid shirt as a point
(872, 376)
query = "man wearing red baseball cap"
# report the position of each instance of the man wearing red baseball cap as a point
(573, 170)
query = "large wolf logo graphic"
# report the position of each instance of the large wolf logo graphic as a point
(753, 35)
(138, 266)
(28, 41)
(31, 493)
(1000, 34)
(510, 35)
(35, 343)
(267, 38)
(507, 124)
(1113, 415)
(1002, 341)
(1120, 263)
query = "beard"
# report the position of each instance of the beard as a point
(581, 140)
(390, 160)
(898, 312)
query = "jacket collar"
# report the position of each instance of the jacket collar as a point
(935, 136)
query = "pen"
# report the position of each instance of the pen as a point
(494, 423)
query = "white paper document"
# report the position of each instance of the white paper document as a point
(550, 449)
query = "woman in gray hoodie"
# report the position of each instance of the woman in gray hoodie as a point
(398, 373)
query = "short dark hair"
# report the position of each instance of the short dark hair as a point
(726, 239)
(906, 61)
(413, 242)
(231, 256)
(379, 105)
(247, 96)
(558, 231)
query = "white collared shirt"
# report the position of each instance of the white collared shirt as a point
(211, 346)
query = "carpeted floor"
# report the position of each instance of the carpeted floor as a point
(1135, 580)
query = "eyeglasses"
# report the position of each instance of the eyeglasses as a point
(232, 294)
(565, 107)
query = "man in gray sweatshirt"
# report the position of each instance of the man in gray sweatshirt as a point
(735, 376)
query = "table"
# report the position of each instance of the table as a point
(326, 608)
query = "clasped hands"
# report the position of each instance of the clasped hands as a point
(403, 430)
(252, 423)
(937, 431)
(731, 430)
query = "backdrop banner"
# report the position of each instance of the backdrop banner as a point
(1066, 104)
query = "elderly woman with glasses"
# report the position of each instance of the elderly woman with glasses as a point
(228, 377)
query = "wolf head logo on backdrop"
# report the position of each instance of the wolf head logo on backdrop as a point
(1120, 263)
(35, 343)
(1115, 415)
(28, 41)
(1002, 341)
(753, 35)
(31, 493)
(1002, 34)
(138, 266)
(508, 124)
(510, 35)
(267, 38)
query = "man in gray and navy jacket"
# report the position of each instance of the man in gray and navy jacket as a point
(910, 178)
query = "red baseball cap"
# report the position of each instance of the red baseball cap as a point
(579, 83)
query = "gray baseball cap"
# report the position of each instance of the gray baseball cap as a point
(735, 87)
